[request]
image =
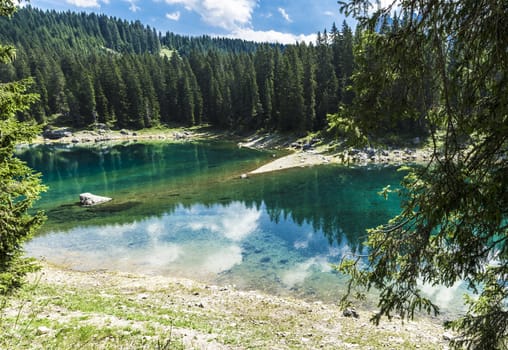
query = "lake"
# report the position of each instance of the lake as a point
(182, 210)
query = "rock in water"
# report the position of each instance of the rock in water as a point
(88, 199)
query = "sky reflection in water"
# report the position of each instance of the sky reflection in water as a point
(182, 210)
(200, 241)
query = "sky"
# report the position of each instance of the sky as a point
(282, 21)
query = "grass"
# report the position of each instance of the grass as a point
(99, 310)
(46, 316)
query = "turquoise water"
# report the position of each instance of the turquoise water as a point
(183, 210)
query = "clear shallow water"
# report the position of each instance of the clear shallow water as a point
(182, 210)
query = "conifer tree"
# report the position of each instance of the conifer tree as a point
(453, 225)
(264, 65)
(347, 62)
(309, 87)
(327, 84)
(19, 185)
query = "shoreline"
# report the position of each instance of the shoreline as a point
(321, 153)
(135, 310)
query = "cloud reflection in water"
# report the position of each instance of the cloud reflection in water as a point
(300, 272)
(197, 240)
(234, 222)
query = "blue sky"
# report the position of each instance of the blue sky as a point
(284, 21)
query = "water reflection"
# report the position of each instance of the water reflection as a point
(183, 210)
(156, 179)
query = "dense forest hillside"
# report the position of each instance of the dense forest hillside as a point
(93, 68)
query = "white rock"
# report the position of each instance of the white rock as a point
(88, 199)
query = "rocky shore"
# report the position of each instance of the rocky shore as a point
(105, 135)
(317, 152)
(62, 308)
(299, 152)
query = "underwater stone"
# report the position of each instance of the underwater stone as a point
(88, 199)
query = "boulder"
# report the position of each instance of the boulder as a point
(88, 199)
(55, 134)
(371, 152)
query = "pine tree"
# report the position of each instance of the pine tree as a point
(327, 83)
(133, 94)
(19, 185)
(309, 87)
(264, 65)
(453, 224)
(291, 94)
(347, 62)
(57, 103)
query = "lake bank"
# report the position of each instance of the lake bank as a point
(296, 152)
(101, 309)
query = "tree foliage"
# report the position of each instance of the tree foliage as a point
(19, 186)
(454, 221)
(90, 67)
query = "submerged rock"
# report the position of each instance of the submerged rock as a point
(88, 199)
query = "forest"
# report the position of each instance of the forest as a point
(435, 68)
(90, 68)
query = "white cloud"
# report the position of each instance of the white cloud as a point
(300, 272)
(239, 222)
(445, 297)
(329, 13)
(235, 222)
(84, 3)
(174, 16)
(385, 3)
(226, 14)
(271, 36)
(284, 14)
(133, 7)
(223, 259)
(236, 17)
